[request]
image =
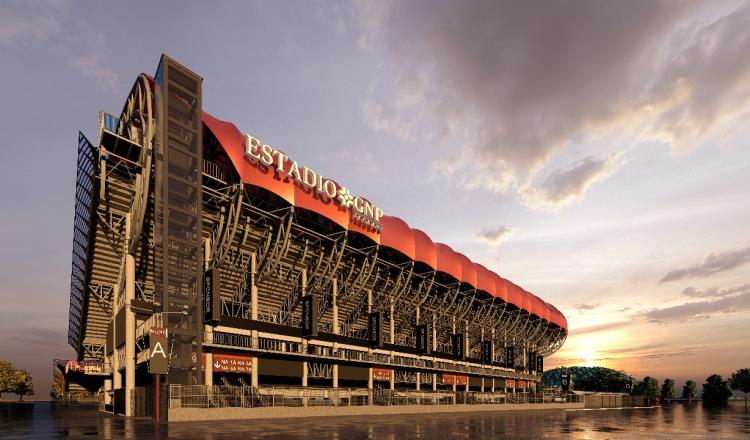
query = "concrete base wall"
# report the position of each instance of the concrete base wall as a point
(203, 414)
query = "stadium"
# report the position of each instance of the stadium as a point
(212, 269)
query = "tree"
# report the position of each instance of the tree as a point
(23, 384)
(648, 387)
(716, 391)
(590, 378)
(7, 376)
(740, 380)
(690, 390)
(667, 389)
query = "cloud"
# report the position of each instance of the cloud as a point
(700, 309)
(714, 263)
(582, 307)
(715, 292)
(495, 235)
(92, 66)
(565, 186)
(376, 118)
(81, 43)
(31, 20)
(600, 328)
(520, 85)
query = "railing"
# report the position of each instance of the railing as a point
(221, 396)
(383, 359)
(227, 396)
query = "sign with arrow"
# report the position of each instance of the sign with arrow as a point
(232, 363)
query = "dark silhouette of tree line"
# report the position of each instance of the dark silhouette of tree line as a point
(716, 390)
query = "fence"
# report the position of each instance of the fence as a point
(225, 396)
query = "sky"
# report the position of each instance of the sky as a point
(593, 152)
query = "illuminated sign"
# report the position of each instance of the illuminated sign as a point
(382, 374)
(450, 379)
(85, 367)
(230, 363)
(362, 210)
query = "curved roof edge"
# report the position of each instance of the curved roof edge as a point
(396, 233)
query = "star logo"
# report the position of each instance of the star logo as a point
(345, 197)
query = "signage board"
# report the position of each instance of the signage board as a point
(382, 374)
(531, 361)
(565, 382)
(423, 339)
(158, 359)
(488, 352)
(509, 357)
(375, 329)
(457, 345)
(211, 297)
(85, 367)
(540, 364)
(362, 210)
(231, 363)
(309, 316)
(450, 379)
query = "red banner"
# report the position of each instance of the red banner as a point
(230, 363)
(450, 379)
(522, 384)
(382, 374)
(510, 383)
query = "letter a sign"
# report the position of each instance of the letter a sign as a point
(158, 359)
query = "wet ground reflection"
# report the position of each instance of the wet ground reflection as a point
(688, 422)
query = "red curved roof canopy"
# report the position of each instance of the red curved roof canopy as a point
(468, 270)
(485, 280)
(516, 295)
(251, 173)
(448, 261)
(501, 288)
(396, 234)
(320, 204)
(424, 249)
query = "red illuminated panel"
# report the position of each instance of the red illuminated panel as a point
(424, 249)
(398, 235)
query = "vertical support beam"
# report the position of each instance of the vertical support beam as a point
(419, 375)
(434, 333)
(391, 323)
(466, 339)
(129, 322)
(107, 391)
(393, 379)
(303, 286)
(335, 307)
(102, 174)
(335, 326)
(493, 384)
(254, 316)
(434, 381)
(209, 372)
(116, 375)
(369, 350)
